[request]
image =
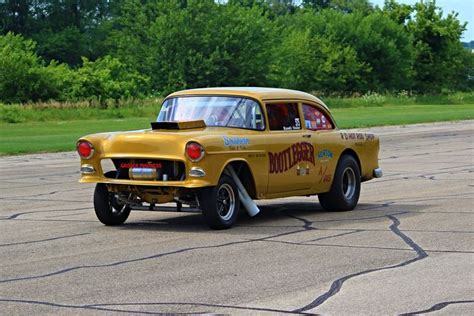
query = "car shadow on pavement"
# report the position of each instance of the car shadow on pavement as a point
(277, 215)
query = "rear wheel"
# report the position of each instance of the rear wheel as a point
(345, 189)
(220, 204)
(108, 209)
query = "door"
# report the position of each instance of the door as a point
(291, 157)
(319, 126)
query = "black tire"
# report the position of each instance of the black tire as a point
(107, 209)
(345, 189)
(220, 204)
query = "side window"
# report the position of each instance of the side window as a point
(315, 119)
(283, 116)
(247, 115)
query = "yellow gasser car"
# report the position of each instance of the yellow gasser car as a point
(217, 149)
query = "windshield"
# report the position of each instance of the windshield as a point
(214, 111)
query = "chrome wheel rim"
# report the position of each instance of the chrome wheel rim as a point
(225, 202)
(114, 206)
(348, 183)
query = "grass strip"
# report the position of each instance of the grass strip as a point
(400, 115)
(65, 111)
(33, 137)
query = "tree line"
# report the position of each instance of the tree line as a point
(111, 49)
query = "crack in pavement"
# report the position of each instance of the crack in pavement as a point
(155, 256)
(367, 229)
(41, 200)
(305, 243)
(384, 248)
(428, 199)
(429, 176)
(337, 284)
(307, 224)
(360, 218)
(42, 240)
(14, 216)
(438, 307)
(50, 175)
(306, 227)
(337, 235)
(70, 214)
(32, 185)
(49, 193)
(104, 307)
(53, 220)
(436, 152)
(456, 167)
(362, 247)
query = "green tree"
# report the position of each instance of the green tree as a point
(23, 76)
(271, 8)
(346, 6)
(317, 4)
(128, 34)
(64, 30)
(15, 16)
(377, 51)
(382, 45)
(314, 63)
(440, 60)
(398, 12)
(152, 47)
(108, 78)
(67, 45)
(201, 44)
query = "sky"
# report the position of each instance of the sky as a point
(465, 8)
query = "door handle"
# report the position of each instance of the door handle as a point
(307, 135)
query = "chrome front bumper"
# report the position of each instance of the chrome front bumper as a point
(378, 173)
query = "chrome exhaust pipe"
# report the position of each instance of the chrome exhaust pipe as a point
(249, 204)
(378, 173)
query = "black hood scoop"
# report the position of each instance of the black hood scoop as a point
(178, 125)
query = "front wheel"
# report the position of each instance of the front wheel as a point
(345, 189)
(220, 204)
(109, 211)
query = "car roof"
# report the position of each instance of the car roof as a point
(260, 93)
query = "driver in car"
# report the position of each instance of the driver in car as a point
(219, 117)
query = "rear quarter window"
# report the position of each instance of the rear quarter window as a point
(315, 119)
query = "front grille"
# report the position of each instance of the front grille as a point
(144, 169)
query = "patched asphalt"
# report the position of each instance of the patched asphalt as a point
(407, 248)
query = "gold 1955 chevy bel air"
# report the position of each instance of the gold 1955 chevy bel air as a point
(219, 149)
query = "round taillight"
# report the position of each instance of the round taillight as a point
(85, 149)
(194, 151)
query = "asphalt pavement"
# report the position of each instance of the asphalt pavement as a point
(407, 248)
